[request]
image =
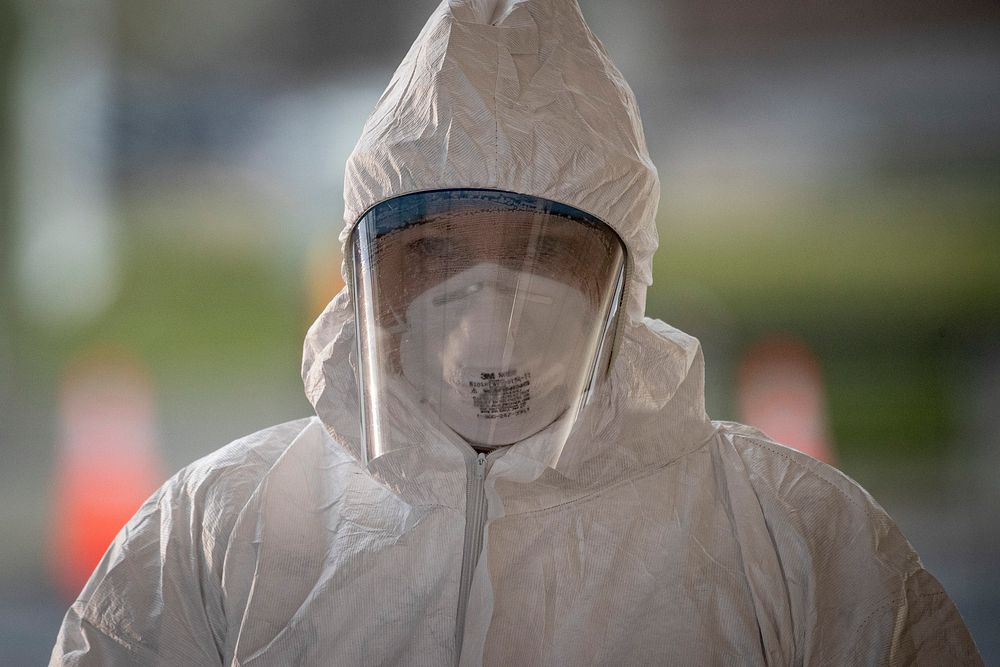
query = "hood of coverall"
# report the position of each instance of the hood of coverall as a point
(517, 96)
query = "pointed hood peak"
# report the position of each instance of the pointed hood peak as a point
(513, 95)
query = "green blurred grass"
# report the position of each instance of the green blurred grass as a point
(191, 316)
(892, 273)
(890, 293)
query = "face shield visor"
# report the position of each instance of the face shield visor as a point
(486, 314)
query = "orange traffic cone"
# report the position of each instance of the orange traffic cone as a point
(780, 391)
(107, 462)
(322, 275)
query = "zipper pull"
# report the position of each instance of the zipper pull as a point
(481, 466)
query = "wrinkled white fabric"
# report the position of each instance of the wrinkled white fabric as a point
(658, 537)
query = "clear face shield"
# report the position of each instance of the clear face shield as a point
(486, 314)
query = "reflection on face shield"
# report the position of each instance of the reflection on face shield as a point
(487, 309)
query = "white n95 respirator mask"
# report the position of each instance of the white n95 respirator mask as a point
(485, 312)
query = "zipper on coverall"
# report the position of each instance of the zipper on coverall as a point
(475, 523)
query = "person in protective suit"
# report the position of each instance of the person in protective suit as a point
(509, 464)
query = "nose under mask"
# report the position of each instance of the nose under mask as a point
(495, 353)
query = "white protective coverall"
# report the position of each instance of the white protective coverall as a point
(658, 537)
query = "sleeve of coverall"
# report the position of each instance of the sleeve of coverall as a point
(895, 611)
(919, 626)
(857, 591)
(154, 599)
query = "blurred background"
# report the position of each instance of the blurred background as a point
(170, 197)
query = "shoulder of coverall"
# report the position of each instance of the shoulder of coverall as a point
(188, 521)
(797, 488)
(839, 550)
(218, 485)
(256, 451)
(244, 461)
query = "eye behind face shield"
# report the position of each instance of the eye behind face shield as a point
(481, 314)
